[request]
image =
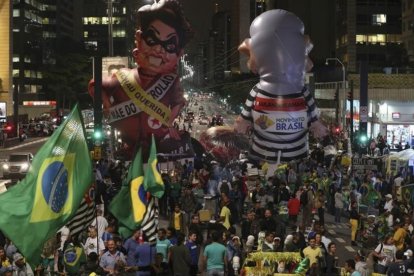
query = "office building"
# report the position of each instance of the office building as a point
(408, 29)
(369, 30)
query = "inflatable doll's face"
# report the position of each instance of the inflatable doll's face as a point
(157, 49)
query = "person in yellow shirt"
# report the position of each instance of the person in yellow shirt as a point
(225, 211)
(399, 235)
(313, 253)
(177, 219)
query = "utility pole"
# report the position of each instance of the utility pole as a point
(97, 107)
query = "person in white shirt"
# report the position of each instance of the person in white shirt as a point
(94, 243)
(100, 223)
(388, 203)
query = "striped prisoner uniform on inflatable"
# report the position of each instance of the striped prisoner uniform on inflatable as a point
(280, 124)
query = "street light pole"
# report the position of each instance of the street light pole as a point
(343, 88)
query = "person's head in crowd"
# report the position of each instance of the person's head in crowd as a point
(177, 208)
(236, 240)
(3, 256)
(399, 255)
(111, 246)
(195, 219)
(350, 265)
(276, 241)
(389, 239)
(118, 242)
(332, 248)
(268, 213)
(318, 238)
(312, 241)
(92, 232)
(162, 234)
(224, 199)
(8, 272)
(408, 254)
(192, 236)
(251, 215)
(99, 212)
(136, 234)
(388, 197)
(18, 260)
(180, 238)
(158, 259)
(269, 237)
(215, 236)
(339, 190)
(171, 233)
(359, 256)
(93, 257)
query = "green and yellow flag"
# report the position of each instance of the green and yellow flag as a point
(33, 210)
(153, 182)
(129, 205)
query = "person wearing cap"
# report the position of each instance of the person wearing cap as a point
(20, 267)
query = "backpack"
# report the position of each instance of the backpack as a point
(304, 198)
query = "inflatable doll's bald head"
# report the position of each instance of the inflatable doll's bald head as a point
(277, 47)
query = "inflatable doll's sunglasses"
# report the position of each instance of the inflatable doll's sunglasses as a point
(169, 45)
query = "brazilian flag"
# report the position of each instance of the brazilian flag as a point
(129, 205)
(153, 182)
(34, 209)
(73, 258)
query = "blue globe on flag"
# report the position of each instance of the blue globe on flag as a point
(55, 185)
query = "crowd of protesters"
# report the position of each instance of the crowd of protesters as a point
(215, 215)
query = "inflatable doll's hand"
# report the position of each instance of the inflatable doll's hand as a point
(242, 126)
(318, 129)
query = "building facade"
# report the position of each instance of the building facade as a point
(408, 29)
(369, 30)
(6, 91)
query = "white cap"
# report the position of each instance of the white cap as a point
(388, 196)
(408, 253)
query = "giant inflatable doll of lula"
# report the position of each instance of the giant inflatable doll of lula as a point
(145, 100)
(279, 110)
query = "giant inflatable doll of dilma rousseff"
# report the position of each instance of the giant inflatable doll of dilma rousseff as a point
(145, 100)
(279, 110)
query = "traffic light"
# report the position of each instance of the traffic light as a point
(350, 95)
(97, 134)
(363, 139)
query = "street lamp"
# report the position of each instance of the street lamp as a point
(343, 88)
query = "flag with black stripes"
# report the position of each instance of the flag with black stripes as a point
(85, 214)
(150, 222)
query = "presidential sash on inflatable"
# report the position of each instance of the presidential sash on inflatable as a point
(142, 100)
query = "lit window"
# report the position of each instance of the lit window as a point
(85, 34)
(16, 13)
(16, 58)
(123, 10)
(39, 75)
(15, 72)
(379, 19)
(27, 59)
(27, 73)
(16, 30)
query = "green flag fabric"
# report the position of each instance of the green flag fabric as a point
(34, 209)
(153, 182)
(129, 205)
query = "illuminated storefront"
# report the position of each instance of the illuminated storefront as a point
(393, 120)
